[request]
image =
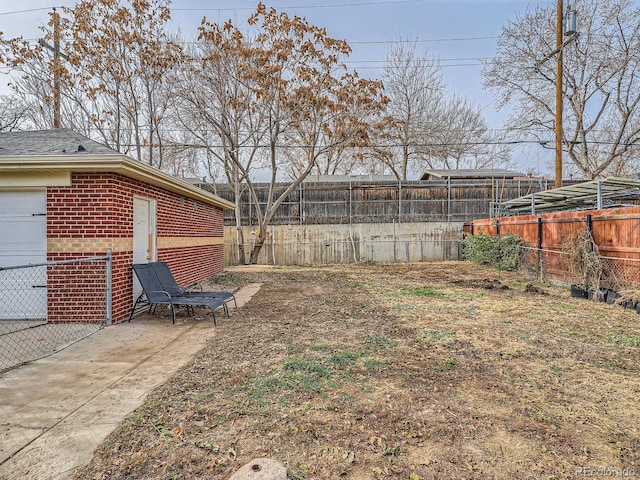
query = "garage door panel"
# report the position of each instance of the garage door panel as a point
(24, 244)
(24, 201)
(23, 241)
(23, 238)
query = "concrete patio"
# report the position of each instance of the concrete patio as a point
(55, 411)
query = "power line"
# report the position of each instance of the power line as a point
(381, 64)
(427, 61)
(367, 42)
(300, 7)
(370, 64)
(457, 39)
(237, 9)
(435, 64)
(396, 145)
(28, 11)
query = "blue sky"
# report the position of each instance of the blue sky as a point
(460, 33)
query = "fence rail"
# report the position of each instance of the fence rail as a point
(49, 306)
(315, 203)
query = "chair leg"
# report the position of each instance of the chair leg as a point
(133, 310)
(173, 314)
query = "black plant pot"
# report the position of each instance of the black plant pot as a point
(578, 292)
(599, 295)
(612, 296)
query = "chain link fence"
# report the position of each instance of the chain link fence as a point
(594, 276)
(47, 307)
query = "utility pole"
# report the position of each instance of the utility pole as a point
(572, 35)
(57, 68)
(559, 45)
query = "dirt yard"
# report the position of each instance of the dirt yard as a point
(423, 371)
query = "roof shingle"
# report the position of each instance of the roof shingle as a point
(60, 141)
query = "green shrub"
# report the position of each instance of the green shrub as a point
(502, 252)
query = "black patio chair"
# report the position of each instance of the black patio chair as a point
(154, 294)
(194, 289)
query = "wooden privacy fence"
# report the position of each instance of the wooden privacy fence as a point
(315, 203)
(551, 240)
(329, 244)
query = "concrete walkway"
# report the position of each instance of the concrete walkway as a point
(54, 412)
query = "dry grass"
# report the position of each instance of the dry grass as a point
(447, 370)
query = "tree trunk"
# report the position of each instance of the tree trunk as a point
(253, 259)
(242, 259)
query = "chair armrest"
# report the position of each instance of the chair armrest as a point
(193, 286)
(161, 292)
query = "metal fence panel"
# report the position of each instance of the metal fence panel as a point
(621, 275)
(47, 307)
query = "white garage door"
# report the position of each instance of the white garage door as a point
(23, 241)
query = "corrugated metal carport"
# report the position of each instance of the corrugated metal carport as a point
(596, 194)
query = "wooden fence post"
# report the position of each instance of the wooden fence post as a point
(539, 246)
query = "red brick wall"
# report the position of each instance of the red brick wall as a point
(95, 214)
(76, 292)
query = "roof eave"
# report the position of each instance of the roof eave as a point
(116, 163)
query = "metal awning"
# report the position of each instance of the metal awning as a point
(591, 194)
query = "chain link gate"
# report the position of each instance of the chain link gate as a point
(47, 307)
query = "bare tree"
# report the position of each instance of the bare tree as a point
(601, 86)
(462, 139)
(32, 87)
(12, 113)
(122, 54)
(285, 90)
(425, 127)
(110, 75)
(218, 109)
(415, 90)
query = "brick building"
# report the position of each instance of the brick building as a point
(64, 196)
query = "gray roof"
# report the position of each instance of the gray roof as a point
(59, 141)
(45, 153)
(370, 177)
(496, 173)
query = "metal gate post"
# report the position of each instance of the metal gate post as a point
(109, 286)
(400, 201)
(300, 206)
(448, 199)
(350, 203)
